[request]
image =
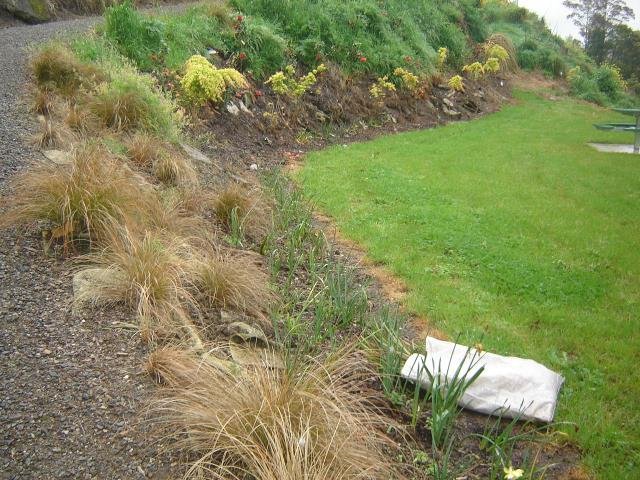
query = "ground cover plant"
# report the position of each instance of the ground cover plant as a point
(526, 234)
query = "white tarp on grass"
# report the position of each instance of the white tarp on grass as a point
(511, 386)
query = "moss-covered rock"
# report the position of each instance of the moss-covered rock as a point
(32, 11)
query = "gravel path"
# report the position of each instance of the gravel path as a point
(72, 393)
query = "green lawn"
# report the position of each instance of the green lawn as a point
(512, 227)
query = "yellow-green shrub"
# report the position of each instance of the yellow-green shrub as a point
(475, 69)
(285, 83)
(492, 65)
(380, 88)
(410, 81)
(203, 82)
(456, 83)
(443, 54)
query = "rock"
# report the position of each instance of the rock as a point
(232, 109)
(450, 112)
(447, 102)
(253, 166)
(31, 11)
(59, 157)
(195, 154)
(244, 108)
(84, 282)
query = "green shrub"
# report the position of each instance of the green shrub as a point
(138, 38)
(476, 26)
(609, 81)
(527, 59)
(552, 63)
(194, 32)
(263, 48)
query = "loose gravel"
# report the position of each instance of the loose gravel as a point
(72, 391)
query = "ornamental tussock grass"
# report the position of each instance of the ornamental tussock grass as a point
(225, 280)
(244, 208)
(50, 134)
(174, 169)
(42, 102)
(57, 67)
(148, 272)
(144, 150)
(132, 101)
(79, 120)
(80, 198)
(313, 421)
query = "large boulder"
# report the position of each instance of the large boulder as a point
(31, 11)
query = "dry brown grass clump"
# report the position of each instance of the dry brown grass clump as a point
(174, 169)
(233, 281)
(245, 206)
(149, 273)
(81, 198)
(79, 120)
(43, 102)
(50, 134)
(144, 150)
(310, 422)
(57, 67)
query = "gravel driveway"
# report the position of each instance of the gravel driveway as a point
(71, 389)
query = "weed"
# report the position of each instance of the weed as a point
(274, 424)
(446, 391)
(386, 347)
(343, 302)
(137, 37)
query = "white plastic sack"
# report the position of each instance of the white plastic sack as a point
(510, 386)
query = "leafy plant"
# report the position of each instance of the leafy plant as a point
(475, 69)
(445, 392)
(443, 54)
(380, 88)
(203, 82)
(409, 80)
(456, 83)
(285, 82)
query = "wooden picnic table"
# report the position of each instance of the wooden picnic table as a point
(625, 127)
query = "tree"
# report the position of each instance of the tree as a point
(597, 20)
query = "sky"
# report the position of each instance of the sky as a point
(556, 15)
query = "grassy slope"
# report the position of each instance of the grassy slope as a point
(512, 227)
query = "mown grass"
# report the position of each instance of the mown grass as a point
(513, 229)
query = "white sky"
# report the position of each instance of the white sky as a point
(556, 15)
